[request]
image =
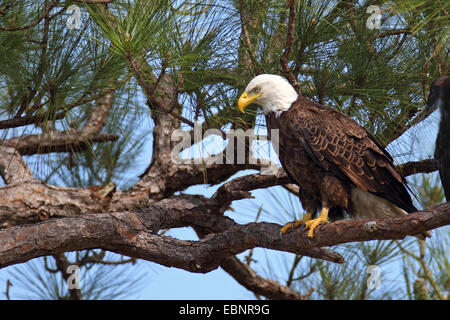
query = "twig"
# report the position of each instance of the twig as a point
(247, 38)
(48, 8)
(8, 286)
(442, 8)
(248, 258)
(94, 1)
(427, 272)
(164, 65)
(409, 253)
(297, 260)
(288, 45)
(5, 8)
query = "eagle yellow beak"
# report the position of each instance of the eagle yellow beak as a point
(245, 100)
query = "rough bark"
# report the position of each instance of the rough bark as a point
(135, 234)
(13, 168)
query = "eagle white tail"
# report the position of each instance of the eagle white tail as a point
(368, 205)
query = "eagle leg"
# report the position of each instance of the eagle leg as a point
(296, 223)
(312, 224)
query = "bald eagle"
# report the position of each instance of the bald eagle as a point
(338, 165)
(440, 97)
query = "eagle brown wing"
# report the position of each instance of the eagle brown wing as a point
(340, 145)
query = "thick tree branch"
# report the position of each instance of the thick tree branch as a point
(165, 175)
(165, 101)
(134, 234)
(33, 201)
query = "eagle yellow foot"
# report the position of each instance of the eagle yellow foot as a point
(296, 223)
(312, 224)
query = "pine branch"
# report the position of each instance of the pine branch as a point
(288, 45)
(420, 284)
(27, 120)
(70, 140)
(47, 9)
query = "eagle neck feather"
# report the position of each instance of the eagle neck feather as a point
(279, 102)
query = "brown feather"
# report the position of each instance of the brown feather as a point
(319, 145)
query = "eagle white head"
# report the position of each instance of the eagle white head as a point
(272, 92)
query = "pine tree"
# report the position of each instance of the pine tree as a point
(100, 104)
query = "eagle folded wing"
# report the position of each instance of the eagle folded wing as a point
(340, 145)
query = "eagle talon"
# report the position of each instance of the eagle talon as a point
(287, 226)
(312, 224)
(296, 223)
